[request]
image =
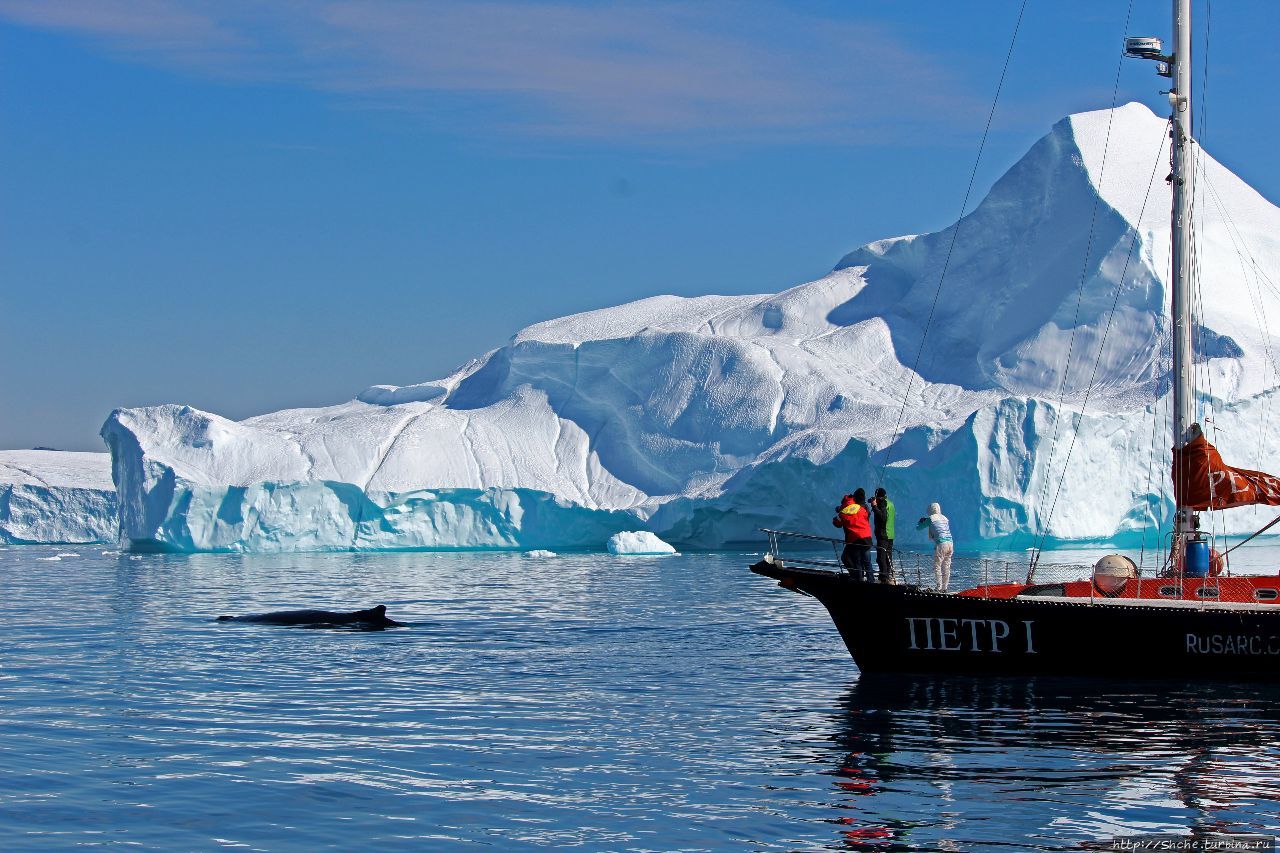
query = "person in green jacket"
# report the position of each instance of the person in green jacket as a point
(883, 510)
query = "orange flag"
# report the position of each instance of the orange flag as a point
(1201, 480)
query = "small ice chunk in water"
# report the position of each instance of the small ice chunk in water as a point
(638, 542)
(538, 552)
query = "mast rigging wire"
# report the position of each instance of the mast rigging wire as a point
(1084, 271)
(955, 233)
(1273, 522)
(1156, 420)
(1253, 284)
(1035, 560)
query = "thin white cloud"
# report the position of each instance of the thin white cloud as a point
(146, 24)
(647, 71)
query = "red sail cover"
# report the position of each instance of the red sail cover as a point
(1201, 480)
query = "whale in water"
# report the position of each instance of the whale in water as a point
(373, 618)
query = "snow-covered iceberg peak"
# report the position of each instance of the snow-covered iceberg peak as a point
(703, 419)
(1033, 288)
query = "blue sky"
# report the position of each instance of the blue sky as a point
(246, 206)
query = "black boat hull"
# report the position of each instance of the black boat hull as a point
(905, 629)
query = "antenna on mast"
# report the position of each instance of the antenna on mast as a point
(1149, 47)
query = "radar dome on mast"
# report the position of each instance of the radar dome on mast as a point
(1145, 47)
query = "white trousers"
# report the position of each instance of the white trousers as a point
(942, 564)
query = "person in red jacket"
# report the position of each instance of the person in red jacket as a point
(854, 516)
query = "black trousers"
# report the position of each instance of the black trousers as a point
(857, 558)
(884, 559)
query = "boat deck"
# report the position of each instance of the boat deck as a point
(1259, 590)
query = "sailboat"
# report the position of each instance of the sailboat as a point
(1193, 619)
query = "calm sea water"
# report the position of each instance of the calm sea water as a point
(587, 701)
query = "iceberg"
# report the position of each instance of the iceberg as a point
(637, 543)
(56, 497)
(1030, 401)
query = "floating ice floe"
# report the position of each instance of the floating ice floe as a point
(538, 552)
(636, 543)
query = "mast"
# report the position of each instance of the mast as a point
(1183, 180)
(1177, 67)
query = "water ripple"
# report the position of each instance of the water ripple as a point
(668, 704)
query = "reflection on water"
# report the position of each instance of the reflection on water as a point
(941, 762)
(604, 703)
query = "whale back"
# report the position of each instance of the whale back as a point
(374, 617)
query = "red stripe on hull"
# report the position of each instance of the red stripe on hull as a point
(1247, 589)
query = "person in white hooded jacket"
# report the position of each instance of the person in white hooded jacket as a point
(943, 547)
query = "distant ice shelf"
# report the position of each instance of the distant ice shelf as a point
(1038, 406)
